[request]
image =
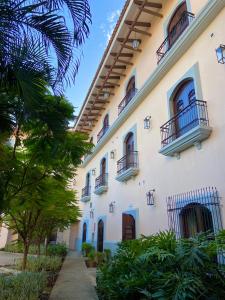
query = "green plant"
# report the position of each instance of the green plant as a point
(41, 263)
(161, 267)
(99, 258)
(57, 250)
(108, 255)
(87, 248)
(22, 286)
(91, 255)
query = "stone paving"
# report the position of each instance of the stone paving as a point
(75, 281)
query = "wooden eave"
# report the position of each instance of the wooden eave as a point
(134, 23)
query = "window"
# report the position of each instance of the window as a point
(194, 212)
(130, 93)
(128, 227)
(185, 97)
(103, 166)
(178, 22)
(100, 241)
(84, 235)
(106, 121)
(104, 129)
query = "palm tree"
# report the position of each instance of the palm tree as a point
(41, 23)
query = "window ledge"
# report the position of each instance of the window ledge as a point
(85, 199)
(100, 190)
(194, 136)
(126, 175)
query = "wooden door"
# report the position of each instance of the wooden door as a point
(84, 236)
(128, 227)
(100, 240)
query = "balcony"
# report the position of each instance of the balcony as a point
(127, 166)
(101, 184)
(86, 194)
(178, 29)
(189, 127)
(102, 133)
(126, 100)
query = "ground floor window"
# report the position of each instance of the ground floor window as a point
(194, 212)
(84, 236)
(129, 227)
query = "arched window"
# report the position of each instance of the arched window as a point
(129, 228)
(195, 218)
(106, 122)
(84, 235)
(130, 155)
(88, 179)
(184, 107)
(130, 86)
(178, 22)
(103, 166)
(100, 241)
(129, 143)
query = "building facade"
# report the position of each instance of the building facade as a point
(156, 114)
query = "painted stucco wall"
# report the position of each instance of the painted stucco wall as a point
(195, 169)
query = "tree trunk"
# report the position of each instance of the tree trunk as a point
(39, 248)
(46, 246)
(25, 254)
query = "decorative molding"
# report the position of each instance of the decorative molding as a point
(199, 24)
(128, 174)
(192, 137)
(100, 190)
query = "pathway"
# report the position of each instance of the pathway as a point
(75, 281)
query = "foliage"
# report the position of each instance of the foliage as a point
(91, 255)
(57, 250)
(23, 286)
(41, 263)
(161, 267)
(87, 248)
(42, 25)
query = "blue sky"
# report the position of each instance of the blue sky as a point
(104, 16)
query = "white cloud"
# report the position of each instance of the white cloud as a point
(107, 28)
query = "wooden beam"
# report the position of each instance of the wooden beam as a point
(121, 40)
(101, 101)
(114, 54)
(148, 4)
(97, 108)
(116, 73)
(131, 48)
(110, 77)
(151, 12)
(141, 31)
(114, 84)
(139, 24)
(115, 67)
(92, 115)
(124, 62)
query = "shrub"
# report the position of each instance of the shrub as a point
(17, 247)
(22, 286)
(87, 248)
(41, 263)
(161, 267)
(57, 250)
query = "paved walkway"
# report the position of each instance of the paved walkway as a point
(74, 281)
(7, 258)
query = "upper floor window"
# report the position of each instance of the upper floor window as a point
(104, 129)
(103, 166)
(130, 93)
(178, 22)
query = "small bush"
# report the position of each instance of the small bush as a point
(42, 263)
(24, 286)
(161, 267)
(87, 248)
(57, 250)
(17, 247)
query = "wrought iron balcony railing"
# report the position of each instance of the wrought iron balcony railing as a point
(102, 180)
(191, 116)
(130, 160)
(86, 191)
(178, 29)
(102, 133)
(126, 100)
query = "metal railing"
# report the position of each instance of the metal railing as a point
(102, 180)
(130, 160)
(175, 33)
(86, 191)
(126, 100)
(191, 116)
(102, 133)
